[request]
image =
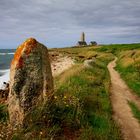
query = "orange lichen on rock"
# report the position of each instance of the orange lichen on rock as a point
(27, 46)
(17, 56)
(30, 44)
(20, 63)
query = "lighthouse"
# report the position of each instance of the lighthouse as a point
(82, 41)
(83, 37)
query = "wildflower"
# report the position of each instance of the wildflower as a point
(41, 133)
(65, 97)
(55, 97)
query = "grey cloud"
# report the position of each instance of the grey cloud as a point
(59, 22)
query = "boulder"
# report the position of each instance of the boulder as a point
(31, 81)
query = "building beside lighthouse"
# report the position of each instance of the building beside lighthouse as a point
(82, 41)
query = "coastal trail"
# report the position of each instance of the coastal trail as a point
(120, 95)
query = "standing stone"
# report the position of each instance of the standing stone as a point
(31, 80)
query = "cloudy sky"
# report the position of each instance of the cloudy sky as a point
(59, 23)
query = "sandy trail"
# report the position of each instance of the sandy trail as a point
(120, 95)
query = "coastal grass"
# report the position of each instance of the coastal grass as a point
(80, 54)
(128, 63)
(135, 110)
(80, 107)
(117, 48)
(92, 113)
(131, 77)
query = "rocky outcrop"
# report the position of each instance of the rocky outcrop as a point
(4, 93)
(31, 80)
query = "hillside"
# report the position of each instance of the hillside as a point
(82, 107)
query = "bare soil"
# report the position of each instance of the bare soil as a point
(61, 64)
(120, 95)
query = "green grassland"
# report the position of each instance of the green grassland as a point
(128, 64)
(89, 88)
(129, 67)
(80, 107)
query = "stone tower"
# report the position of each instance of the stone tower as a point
(83, 37)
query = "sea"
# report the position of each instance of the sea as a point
(6, 56)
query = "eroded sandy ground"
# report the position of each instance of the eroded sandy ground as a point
(61, 64)
(120, 95)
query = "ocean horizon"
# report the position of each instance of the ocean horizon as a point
(6, 56)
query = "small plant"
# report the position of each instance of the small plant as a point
(135, 110)
(3, 113)
(137, 68)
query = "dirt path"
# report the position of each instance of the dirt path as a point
(120, 95)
